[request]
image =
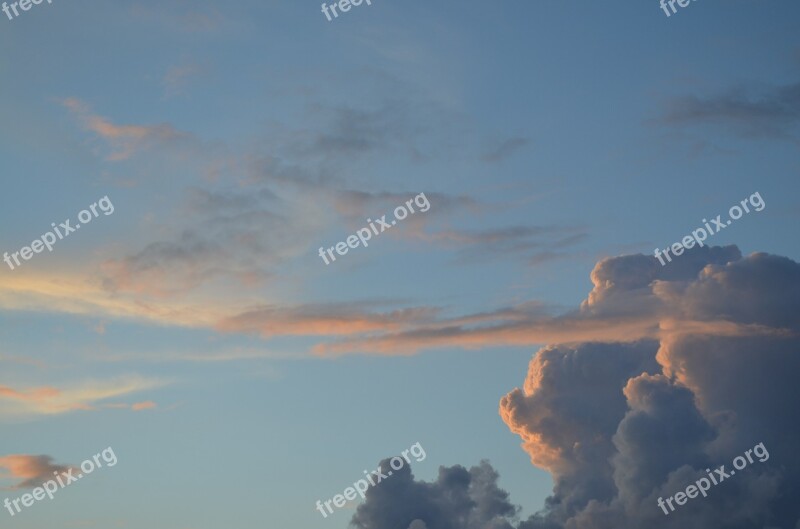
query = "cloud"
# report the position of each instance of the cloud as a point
(124, 140)
(412, 127)
(771, 112)
(321, 320)
(39, 401)
(533, 243)
(260, 210)
(624, 419)
(458, 499)
(629, 307)
(358, 205)
(243, 236)
(504, 149)
(177, 77)
(147, 405)
(236, 235)
(73, 293)
(621, 424)
(627, 304)
(32, 470)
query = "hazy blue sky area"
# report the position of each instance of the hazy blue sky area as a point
(522, 319)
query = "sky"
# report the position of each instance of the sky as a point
(517, 326)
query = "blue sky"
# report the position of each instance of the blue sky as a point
(235, 140)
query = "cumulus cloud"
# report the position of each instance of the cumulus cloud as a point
(621, 424)
(626, 304)
(625, 418)
(458, 499)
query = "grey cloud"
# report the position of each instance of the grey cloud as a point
(396, 125)
(458, 499)
(358, 205)
(536, 244)
(504, 149)
(243, 235)
(698, 400)
(769, 112)
(620, 423)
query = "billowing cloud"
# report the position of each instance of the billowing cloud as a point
(630, 301)
(623, 418)
(620, 425)
(458, 499)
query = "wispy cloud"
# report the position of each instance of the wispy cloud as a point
(177, 77)
(505, 149)
(88, 395)
(527, 242)
(124, 140)
(771, 112)
(146, 405)
(322, 320)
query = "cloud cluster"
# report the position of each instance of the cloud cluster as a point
(623, 418)
(458, 499)
(621, 424)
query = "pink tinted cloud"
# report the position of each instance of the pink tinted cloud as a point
(31, 470)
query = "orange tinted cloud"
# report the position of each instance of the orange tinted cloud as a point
(34, 395)
(125, 140)
(32, 470)
(84, 396)
(322, 320)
